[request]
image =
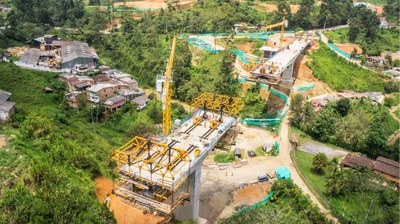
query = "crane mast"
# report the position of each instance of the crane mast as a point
(167, 92)
(282, 24)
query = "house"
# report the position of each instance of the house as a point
(118, 85)
(131, 94)
(73, 99)
(388, 168)
(101, 78)
(376, 60)
(7, 108)
(354, 161)
(100, 92)
(114, 103)
(104, 68)
(132, 84)
(268, 51)
(141, 101)
(74, 52)
(77, 82)
(31, 56)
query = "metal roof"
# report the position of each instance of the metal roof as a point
(74, 49)
(6, 106)
(140, 100)
(114, 99)
(99, 86)
(4, 95)
(31, 56)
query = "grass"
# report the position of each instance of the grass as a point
(397, 112)
(340, 74)
(303, 160)
(386, 40)
(260, 151)
(359, 207)
(224, 157)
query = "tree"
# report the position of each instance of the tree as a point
(283, 10)
(343, 106)
(392, 86)
(297, 108)
(336, 183)
(333, 166)
(319, 162)
(302, 17)
(323, 125)
(353, 53)
(227, 86)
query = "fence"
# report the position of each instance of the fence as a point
(267, 121)
(256, 204)
(203, 45)
(324, 202)
(304, 88)
(36, 67)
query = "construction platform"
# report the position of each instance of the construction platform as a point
(273, 68)
(155, 174)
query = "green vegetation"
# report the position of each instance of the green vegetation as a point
(58, 150)
(224, 157)
(397, 112)
(392, 8)
(340, 74)
(385, 40)
(260, 151)
(352, 196)
(319, 162)
(356, 125)
(288, 205)
(374, 2)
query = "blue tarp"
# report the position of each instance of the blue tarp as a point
(282, 172)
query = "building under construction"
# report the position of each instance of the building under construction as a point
(156, 175)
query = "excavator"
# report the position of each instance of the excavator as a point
(283, 23)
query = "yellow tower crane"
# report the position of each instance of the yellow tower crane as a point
(283, 23)
(167, 92)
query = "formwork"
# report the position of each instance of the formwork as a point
(154, 175)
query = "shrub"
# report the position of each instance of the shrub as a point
(224, 157)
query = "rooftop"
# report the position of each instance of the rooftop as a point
(4, 95)
(140, 100)
(353, 161)
(31, 56)
(96, 88)
(387, 166)
(114, 99)
(6, 106)
(74, 49)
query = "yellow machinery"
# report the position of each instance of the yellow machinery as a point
(282, 24)
(168, 92)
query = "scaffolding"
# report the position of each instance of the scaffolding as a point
(153, 174)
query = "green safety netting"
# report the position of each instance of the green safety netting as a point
(256, 204)
(304, 88)
(267, 121)
(203, 44)
(243, 56)
(276, 148)
(334, 48)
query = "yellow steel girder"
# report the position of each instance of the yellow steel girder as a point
(231, 105)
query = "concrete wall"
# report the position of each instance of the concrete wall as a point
(84, 61)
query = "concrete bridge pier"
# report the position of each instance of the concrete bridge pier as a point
(287, 79)
(190, 211)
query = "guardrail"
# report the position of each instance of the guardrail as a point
(322, 199)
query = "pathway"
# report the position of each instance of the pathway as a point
(392, 139)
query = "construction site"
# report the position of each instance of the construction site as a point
(163, 175)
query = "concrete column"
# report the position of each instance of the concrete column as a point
(287, 76)
(190, 211)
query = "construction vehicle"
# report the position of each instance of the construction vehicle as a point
(167, 92)
(283, 23)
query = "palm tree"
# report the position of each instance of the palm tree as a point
(319, 162)
(336, 183)
(333, 166)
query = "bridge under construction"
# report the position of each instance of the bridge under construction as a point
(161, 176)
